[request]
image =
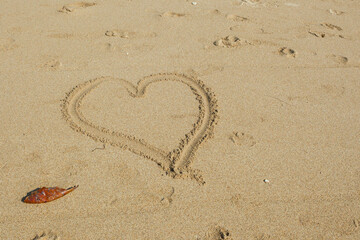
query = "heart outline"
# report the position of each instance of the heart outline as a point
(177, 162)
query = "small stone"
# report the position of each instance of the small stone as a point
(266, 181)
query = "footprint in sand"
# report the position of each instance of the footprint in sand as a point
(52, 64)
(250, 3)
(335, 12)
(215, 12)
(262, 236)
(218, 233)
(68, 8)
(288, 52)
(339, 59)
(317, 34)
(62, 35)
(7, 44)
(231, 42)
(236, 18)
(317, 30)
(120, 33)
(331, 26)
(168, 198)
(242, 139)
(128, 34)
(148, 201)
(333, 91)
(46, 236)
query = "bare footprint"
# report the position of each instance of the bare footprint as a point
(288, 52)
(242, 139)
(231, 42)
(339, 59)
(46, 236)
(68, 8)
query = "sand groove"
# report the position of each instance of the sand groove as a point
(177, 162)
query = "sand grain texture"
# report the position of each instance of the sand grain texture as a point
(272, 86)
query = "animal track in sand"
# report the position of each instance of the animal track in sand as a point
(218, 233)
(236, 18)
(68, 8)
(148, 200)
(335, 12)
(242, 139)
(51, 64)
(288, 52)
(167, 200)
(332, 31)
(331, 26)
(175, 163)
(128, 34)
(317, 34)
(231, 42)
(262, 236)
(46, 236)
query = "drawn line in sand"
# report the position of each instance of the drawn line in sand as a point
(175, 163)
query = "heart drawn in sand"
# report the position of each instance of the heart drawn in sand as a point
(175, 163)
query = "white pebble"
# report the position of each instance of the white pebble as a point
(194, 3)
(266, 181)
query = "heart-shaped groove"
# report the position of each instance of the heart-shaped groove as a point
(177, 162)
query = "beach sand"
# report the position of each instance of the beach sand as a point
(199, 120)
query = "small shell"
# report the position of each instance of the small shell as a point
(44, 194)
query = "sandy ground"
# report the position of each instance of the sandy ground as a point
(204, 120)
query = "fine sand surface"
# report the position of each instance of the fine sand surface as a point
(193, 120)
